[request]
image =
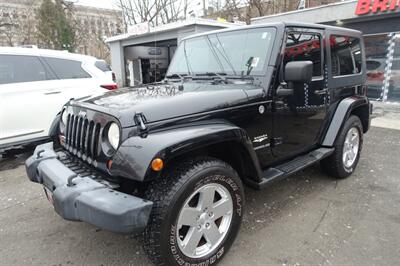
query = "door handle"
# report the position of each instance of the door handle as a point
(321, 92)
(52, 92)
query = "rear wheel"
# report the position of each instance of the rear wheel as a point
(196, 215)
(344, 160)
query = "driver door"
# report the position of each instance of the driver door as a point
(298, 117)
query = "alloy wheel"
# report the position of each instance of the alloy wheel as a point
(351, 147)
(204, 220)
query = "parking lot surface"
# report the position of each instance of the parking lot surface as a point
(308, 219)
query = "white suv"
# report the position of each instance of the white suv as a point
(36, 83)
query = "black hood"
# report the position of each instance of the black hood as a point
(165, 101)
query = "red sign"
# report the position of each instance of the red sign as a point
(376, 6)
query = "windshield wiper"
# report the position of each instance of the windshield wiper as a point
(179, 76)
(214, 74)
(249, 66)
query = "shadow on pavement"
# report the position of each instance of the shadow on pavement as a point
(14, 160)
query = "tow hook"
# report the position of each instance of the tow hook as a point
(69, 180)
(39, 154)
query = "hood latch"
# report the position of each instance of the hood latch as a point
(141, 121)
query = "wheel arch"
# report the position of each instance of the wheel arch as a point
(233, 152)
(220, 140)
(363, 112)
(356, 105)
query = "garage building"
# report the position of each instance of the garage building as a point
(144, 53)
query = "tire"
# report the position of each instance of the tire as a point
(335, 165)
(185, 188)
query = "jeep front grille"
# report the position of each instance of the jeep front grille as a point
(85, 170)
(83, 137)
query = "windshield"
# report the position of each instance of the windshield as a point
(241, 52)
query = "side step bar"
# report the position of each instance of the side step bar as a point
(286, 169)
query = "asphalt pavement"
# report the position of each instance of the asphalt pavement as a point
(308, 219)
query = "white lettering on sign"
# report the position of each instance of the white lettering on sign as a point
(139, 29)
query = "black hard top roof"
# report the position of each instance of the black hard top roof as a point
(283, 24)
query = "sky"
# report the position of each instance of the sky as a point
(96, 3)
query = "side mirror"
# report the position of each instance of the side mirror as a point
(299, 72)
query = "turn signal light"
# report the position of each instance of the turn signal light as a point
(157, 164)
(61, 138)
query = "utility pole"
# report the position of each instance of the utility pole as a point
(185, 8)
(204, 8)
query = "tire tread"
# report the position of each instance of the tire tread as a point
(161, 193)
(333, 164)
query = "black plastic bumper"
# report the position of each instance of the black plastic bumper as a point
(79, 198)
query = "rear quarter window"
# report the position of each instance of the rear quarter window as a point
(346, 55)
(21, 68)
(102, 65)
(66, 69)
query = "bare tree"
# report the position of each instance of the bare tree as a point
(244, 10)
(155, 12)
(4, 24)
(9, 27)
(27, 23)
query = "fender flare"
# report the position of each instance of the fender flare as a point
(54, 130)
(342, 113)
(134, 156)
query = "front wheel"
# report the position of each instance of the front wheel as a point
(344, 160)
(196, 215)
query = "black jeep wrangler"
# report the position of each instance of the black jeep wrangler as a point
(248, 105)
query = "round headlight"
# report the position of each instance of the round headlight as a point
(113, 135)
(64, 116)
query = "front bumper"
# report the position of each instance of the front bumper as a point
(85, 199)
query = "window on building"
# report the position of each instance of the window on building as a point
(393, 87)
(66, 69)
(376, 52)
(18, 68)
(346, 55)
(304, 47)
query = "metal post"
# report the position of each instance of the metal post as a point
(388, 69)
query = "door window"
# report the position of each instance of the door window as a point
(304, 47)
(66, 69)
(346, 55)
(20, 68)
